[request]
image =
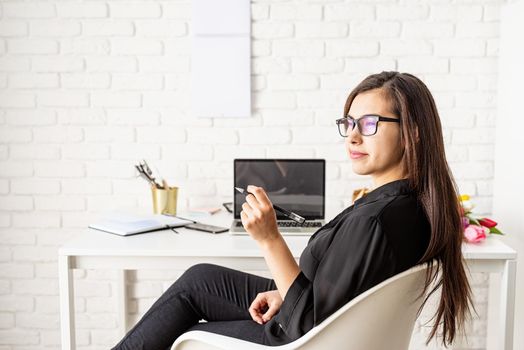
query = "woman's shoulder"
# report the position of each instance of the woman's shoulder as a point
(387, 205)
(394, 214)
(408, 202)
(406, 226)
(392, 211)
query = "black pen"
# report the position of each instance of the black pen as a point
(287, 213)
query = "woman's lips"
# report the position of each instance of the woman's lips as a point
(357, 155)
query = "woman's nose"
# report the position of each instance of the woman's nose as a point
(354, 136)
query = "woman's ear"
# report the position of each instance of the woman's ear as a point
(417, 139)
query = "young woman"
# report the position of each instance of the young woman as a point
(393, 134)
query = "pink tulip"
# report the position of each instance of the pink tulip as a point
(475, 233)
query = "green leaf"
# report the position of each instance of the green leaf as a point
(473, 221)
(495, 230)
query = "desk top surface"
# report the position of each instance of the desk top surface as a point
(195, 243)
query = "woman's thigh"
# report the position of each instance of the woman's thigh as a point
(247, 330)
(219, 293)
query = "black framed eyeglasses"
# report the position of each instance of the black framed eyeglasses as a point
(366, 125)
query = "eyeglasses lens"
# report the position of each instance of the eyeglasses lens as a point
(344, 125)
(368, 125)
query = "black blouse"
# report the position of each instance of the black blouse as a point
(379, 236)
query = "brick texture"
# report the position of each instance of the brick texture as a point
(89, 87)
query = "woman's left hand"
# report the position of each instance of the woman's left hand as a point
(265, 306)
(258, 216)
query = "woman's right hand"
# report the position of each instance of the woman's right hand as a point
(265, 306)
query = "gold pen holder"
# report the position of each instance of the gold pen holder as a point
(164, 200)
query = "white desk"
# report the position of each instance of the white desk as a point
(167, 250)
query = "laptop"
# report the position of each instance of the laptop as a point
(297, 185)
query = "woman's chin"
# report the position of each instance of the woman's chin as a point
(359, 170)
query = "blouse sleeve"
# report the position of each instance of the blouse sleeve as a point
(356, 258)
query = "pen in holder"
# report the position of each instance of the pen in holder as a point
(164, 200)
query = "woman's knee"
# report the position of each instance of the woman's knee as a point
(200, 270)
(196, 274)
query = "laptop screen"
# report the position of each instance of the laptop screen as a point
(297, 185)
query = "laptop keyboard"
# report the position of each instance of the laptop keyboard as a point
(291, 224)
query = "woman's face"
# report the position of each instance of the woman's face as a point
(378, 155)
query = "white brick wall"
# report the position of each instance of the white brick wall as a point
(88, 87)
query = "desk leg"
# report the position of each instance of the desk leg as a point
(67, 302)
(507, 305)
(122, 302)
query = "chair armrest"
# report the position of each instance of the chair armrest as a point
(200, 340)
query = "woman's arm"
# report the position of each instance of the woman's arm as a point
(281, 263)
(259, 220)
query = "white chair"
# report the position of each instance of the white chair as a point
(380, 318)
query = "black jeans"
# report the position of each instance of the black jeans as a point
(213, 293)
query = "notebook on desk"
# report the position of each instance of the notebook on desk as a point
(127, 225)
(297, 185)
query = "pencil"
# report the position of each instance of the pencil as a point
(287, 213)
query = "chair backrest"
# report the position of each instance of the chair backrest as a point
(380, 318)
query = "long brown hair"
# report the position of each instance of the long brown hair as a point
(429, 175)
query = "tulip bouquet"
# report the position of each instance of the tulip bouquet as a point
(475, 229)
